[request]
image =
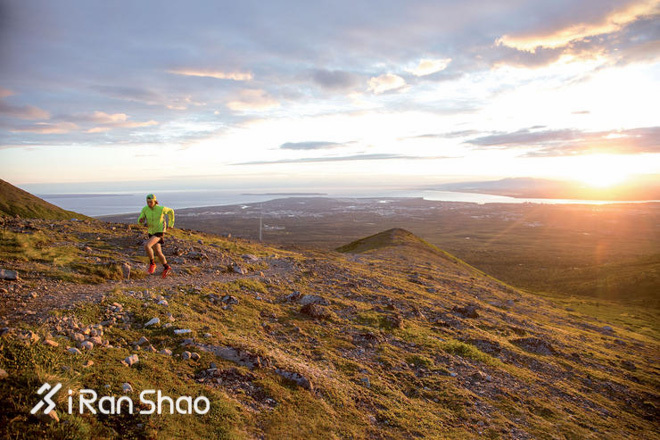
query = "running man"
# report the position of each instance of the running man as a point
(153, 215)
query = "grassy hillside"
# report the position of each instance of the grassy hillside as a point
(398, 341)
(14, 201)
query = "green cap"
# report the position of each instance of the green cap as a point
(151, 197)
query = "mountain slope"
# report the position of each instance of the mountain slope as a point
(385, 344)
(14, 201)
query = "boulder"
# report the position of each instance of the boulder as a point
(9, 275)
(316, 311)
(535, 345)
(313, 299)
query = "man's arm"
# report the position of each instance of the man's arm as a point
(170, 217)
(142, 218)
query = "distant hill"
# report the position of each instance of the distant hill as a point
(14, 201)
(639, 188)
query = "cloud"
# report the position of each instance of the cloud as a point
(23, 111)
(135, 94)
(5, 92)
(357, 157)
(556, 38)
(253, 100)
(551, 143)
(47, 128)
(386, 83)
(309, 145)
(428, 67)
(217, 74)
(335, 80)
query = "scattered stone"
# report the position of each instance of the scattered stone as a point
(96, 340)
(535, 345)
(316, 311)
(142, 341)
(229, 300)
(182, 331)
(74, 350)
(313, 299)
(163, 303)
(86, 345)
(629, 365)
(88, 364)
(3, 374)
(186, 355)
(366, 382)
(150, 349)
(166, 352)
(466, 312)
(9, 275)
(298, 378)
(132, 360)
(127, 388)
(152, 321)
(238, 356)
(207, 335)
(195, 356)
(250, 258)
(51, 343)
(238, 269)
(293, 296)
(606, 329)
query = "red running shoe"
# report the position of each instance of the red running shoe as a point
(152, 268)
(166, 270)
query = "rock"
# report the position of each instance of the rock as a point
(629, 365)
(316, 311)
(132, 360)
(3, 374)
(152, 321)
(393, 321)
(313, 299)
(535, 345)
(142, 341)
(166, 352)
(298, 378)
(606, 329)
(229, 300)
(163, 303)
(9, 275)
(78, 337)
(127, 388)
(88, 364)
(238, 269)
(186, 355)
(366, 382)
(51, 343)
(249, 258)
(238, 356)
(150, 349)
(195, 356)
(96, 340)
(466, 312)
(207, 335)
(126, 271)
(182, 331)
(74, 350)
(86, 345)
(293, 296)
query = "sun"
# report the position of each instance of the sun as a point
(602, 172)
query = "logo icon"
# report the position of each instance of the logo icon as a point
(46, 400)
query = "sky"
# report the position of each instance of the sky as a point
(310, 94)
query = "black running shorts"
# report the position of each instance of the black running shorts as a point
(158, 234)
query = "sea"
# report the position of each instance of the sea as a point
(102, 204)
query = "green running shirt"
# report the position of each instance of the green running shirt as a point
(156, 218)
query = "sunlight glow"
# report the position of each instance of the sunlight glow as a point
(602, 171)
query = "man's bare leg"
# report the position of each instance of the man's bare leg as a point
(149, 245)
(159, 254)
